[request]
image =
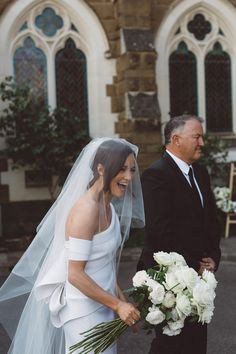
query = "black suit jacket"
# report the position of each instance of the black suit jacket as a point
(175, 219)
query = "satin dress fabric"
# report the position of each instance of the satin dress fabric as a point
(69, 307)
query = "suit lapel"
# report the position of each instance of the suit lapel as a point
(178, 171)
(200, 181)
(182, 179)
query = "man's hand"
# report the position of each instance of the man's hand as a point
(207, 263)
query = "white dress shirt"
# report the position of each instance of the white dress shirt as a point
(184, 167)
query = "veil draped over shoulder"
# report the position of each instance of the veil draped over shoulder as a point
(24, 308)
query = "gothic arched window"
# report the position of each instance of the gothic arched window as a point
(71, 79)
(218, 90)
(198, 47)
(49, 60)
(183, 81)
(30, 69)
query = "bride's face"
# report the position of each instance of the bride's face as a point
(121, 181)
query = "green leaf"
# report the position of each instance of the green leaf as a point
(38, 137)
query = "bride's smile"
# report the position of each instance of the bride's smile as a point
(121, 181)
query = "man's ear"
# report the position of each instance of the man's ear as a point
(100, 169)
(175, 139)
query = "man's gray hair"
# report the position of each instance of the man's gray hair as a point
(176, 123)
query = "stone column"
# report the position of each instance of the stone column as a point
(134, 90)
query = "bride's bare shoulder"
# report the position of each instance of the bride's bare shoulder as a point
(82, 220)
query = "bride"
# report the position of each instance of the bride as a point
(65, 283)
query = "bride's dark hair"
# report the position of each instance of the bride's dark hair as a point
(111, 155)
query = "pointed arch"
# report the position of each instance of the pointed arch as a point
(218, 21)
(73, 19)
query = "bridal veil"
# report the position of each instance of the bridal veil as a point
(24, 311)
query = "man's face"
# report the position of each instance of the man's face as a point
(190, 141)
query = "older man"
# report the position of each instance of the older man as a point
(180, 216)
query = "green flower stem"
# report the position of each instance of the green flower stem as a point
(111, 337)
(87, 340)
(173, 286)
(100, 337)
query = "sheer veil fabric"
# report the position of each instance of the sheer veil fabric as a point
(24, 308)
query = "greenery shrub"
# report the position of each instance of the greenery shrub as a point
(38, 138)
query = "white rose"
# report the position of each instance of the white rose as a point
(206, 314)
(163, 258)
(151, 284)
(169, 332)
(155, 316)
(174, 315)
(157, 294)
(172, 283)
(140, 278)
(209, 278)
(178, 259)
(183, 305)
(203, 294)
(169, 299)
(174, 326)
(187, 277)
(222, 192)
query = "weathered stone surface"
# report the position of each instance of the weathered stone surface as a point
(145, 133)
(149, 60)
(110, 25)
(163, 2)
(134, 7)
(125, 126)
(144, 106)
(132, 85)
(104, 10)
(145, 160)
(98, 1)
(121, 88)
(140, 40)
(113, 36)
(153, 148)
(115, 48)
(128, 61)
(117, 104)
(147, 85)
(141, 73)
(157, 14)
(110, 90)
(134, 22)
(120, 76)
(149, 126)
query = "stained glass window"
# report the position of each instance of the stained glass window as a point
(31, 70)
(218, 90)
(199, 26)
(49, 22)
(71, 80)
(183, 81)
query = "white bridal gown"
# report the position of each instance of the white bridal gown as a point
(72, 309)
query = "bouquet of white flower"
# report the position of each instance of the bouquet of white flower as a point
(166, 294)
(223, 202)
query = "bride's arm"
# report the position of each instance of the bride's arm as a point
(84, 223)
(120, 293)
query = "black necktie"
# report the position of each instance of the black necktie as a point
(193, 184)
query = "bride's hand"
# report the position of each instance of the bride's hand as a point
(128, 313)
